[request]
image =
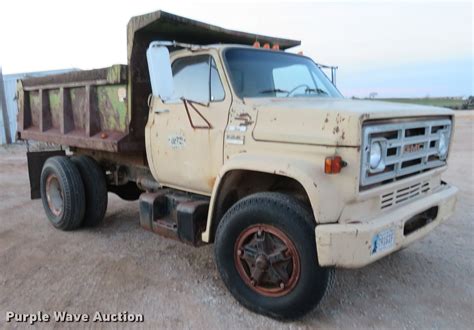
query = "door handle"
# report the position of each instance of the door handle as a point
(161, 110)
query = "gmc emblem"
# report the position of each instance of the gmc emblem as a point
(409, 148)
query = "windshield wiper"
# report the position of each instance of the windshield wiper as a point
(316, 90)
(273, 90)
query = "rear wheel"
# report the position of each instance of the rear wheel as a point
(266, 254)
(62, 193)
(95, 188)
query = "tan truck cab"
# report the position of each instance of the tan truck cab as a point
(251, 148)
(291, 134)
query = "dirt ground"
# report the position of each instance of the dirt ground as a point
(121, 267)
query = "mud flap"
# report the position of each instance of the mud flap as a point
(36, 161)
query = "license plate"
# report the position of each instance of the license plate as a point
(383, 241)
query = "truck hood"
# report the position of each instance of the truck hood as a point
(326, 121)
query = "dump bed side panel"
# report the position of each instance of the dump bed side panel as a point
(86, 109)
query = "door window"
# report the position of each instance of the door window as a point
(196, 79)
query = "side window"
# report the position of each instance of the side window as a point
(191, 79)
(217, 90)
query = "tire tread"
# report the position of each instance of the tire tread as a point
(95, 188)
(72, 188)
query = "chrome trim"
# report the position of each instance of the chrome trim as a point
(395, 165)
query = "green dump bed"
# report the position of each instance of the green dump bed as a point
(87, 109)
(107, 109)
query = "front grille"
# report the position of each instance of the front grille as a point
(409, 147)
(404, 194)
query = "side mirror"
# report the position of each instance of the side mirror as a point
(159, 67)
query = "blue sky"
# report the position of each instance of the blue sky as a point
(393, 48)
(449, 77)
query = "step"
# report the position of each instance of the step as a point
(175, 215)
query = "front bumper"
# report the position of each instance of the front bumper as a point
(350, 245)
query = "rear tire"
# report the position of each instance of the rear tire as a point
(292, 282)
(62, 193)
(95, 188)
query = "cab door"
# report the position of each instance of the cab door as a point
(187, 133)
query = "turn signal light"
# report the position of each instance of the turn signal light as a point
(333, 164)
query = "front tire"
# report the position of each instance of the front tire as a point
(62, 193)
(266, 254)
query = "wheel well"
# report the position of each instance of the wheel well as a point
(238, 184)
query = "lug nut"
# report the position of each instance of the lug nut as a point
(239, 252)
(252, 282)
(282, 285)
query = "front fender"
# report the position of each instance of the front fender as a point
(308, 172)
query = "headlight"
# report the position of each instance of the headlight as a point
(443, 145)
(375, 157)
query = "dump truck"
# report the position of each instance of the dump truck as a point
(226, 137)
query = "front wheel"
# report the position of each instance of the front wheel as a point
(266, 254)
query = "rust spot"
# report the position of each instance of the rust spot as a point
(339, 118)
(343, 135)
(335, 130)
(325, 121)
(104, 135)
(327, 118)
(246, 118)
(211, 181)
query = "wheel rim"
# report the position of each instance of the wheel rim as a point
(54, 195)
(267, 260)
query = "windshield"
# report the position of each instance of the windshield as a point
(258, 73)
